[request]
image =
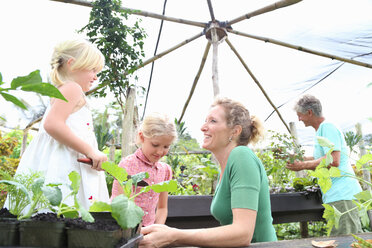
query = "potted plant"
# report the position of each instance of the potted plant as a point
(117, 222)
(25, 199)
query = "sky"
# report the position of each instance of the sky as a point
(30, 30)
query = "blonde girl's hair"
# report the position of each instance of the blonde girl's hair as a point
(237, 114)
(155, 125)
(86, 57)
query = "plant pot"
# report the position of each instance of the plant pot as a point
(42, 234)
(103, 233)
(9, 232)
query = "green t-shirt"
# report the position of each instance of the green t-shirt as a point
(244, 184)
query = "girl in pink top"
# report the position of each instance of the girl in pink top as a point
(155, 137)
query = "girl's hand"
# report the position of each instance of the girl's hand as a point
(97, 158)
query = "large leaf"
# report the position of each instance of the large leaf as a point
(36, 187)
(139, 177)
(363, 160)
(53, 194)
(169, 186)
(32, 78)
(324, 142)
(75, 181)
(116, 171)
(44, 89)
(19, 186)
(13, 99)
(99, 206)
(85, 215)
(126, 212)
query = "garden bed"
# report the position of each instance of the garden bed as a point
(194, 211)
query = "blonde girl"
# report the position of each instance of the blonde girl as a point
(66, 130)
(155, 137)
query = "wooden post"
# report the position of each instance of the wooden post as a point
(111, 157)
(215, 40)
(127, 140)
(365, 170)
(303, 225)
(292, 127)
(24, 141)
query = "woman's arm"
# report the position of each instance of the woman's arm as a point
(162, 208)
(238, 234)
(55, 124)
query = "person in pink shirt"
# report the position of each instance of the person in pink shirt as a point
(155, 136)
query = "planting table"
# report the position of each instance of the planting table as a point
(341, 241)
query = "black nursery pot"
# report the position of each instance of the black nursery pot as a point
(9, 232)
(103, 233)
(42, 234)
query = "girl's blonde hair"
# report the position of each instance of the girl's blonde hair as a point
(237, 114)
(86, 57)
(155, 125)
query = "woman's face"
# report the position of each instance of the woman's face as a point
(155, 148)
(215, 129)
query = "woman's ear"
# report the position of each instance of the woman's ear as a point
(237, 130)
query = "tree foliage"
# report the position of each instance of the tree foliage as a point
(121, 45)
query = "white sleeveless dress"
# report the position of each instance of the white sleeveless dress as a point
(56, 160)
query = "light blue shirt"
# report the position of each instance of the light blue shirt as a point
(343, 188)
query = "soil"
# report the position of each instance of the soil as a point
(98, 224)
(4, 213)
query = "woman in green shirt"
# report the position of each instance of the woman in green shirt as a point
(242, 201)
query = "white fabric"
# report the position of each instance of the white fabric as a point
(56, 160)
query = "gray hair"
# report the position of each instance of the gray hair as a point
(309, 102)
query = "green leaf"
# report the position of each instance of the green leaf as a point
(329, 216)
(44, 89)
(32, 78)
(99, 206)
(53, 194)
(19, 186)
(85, 215)
(334, 172)
(170, 186)
(13, 99)
(75, 181)
(139, 177)
(328, 159)
(324, 142)
(126, 212)
(337, 216)
(364, 196)
(37, 185)
(116, 171)
(1, 78)
(71, 213)
(363, 160)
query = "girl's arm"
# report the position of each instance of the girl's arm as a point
(55, 124)
(238, 234)
(162, 208)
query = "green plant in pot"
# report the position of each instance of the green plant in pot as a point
(25, 199)
(125, 215)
